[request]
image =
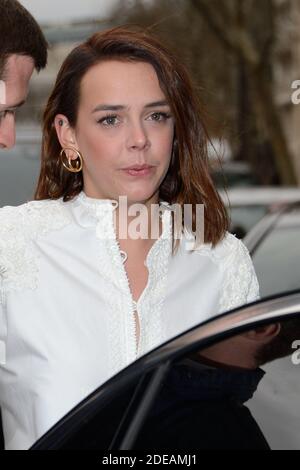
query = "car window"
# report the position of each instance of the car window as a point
(95, 425)
(277, 261)
(238, 393)
(98, 431)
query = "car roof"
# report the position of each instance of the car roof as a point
(257, 195)
(286, 217)
(289, 218)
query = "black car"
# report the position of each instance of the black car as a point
(205, 389)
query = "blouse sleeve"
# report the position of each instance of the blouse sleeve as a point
(2, 324)
(240, 281)
(4, 233)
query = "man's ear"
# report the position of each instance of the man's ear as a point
(264, 333)
(66, 135)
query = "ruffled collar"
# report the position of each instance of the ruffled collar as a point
(89, 211)
(98, 215)
(93, 204)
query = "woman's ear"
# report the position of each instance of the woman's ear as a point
(65, 134)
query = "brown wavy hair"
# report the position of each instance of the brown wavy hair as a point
(188, 179)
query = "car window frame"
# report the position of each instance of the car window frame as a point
(156, 363)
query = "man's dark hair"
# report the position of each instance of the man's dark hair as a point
(20, 34)
(281, 345)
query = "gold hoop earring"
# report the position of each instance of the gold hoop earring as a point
(70, 167)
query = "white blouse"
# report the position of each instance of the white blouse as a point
(67, 316)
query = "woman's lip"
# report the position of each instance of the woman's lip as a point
(143, 172)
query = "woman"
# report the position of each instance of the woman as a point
(79, 301)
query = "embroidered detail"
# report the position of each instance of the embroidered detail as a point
(149, 306)
(116, 294)
(240, 285)
(19, 227)
(116, 290)
(92, 204)
(240, 282)
(152, 328)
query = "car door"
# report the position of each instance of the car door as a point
(231, 383)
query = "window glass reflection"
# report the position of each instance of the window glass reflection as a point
(241, 393)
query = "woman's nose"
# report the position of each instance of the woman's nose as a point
(137, 136)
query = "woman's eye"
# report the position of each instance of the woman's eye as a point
(108, 121)
(160, 116)
(112, 120)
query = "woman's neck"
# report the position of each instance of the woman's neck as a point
(138, 223)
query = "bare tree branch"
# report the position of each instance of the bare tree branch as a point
(270, 39)
(210, 15)
(235, 37)
(232, 36)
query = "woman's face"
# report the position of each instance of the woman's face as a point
(123, 121)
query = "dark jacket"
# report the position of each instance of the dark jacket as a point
(202, 407)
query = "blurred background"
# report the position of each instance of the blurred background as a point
(244, 57)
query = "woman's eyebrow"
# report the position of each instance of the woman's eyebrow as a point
(118, 107)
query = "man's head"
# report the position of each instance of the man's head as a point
(23, 48)
(256, 347)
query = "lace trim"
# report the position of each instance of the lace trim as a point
(152, 327)
(122, 326)
(111, 268)
(240, 284)
(19, 227)
(94, 204)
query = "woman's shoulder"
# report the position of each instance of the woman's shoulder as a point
(32, 216)
(231, 246)
(28, 207)
(226, 250)
(19, 226)
(240, 280)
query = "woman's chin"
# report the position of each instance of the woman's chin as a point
(139, 196)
